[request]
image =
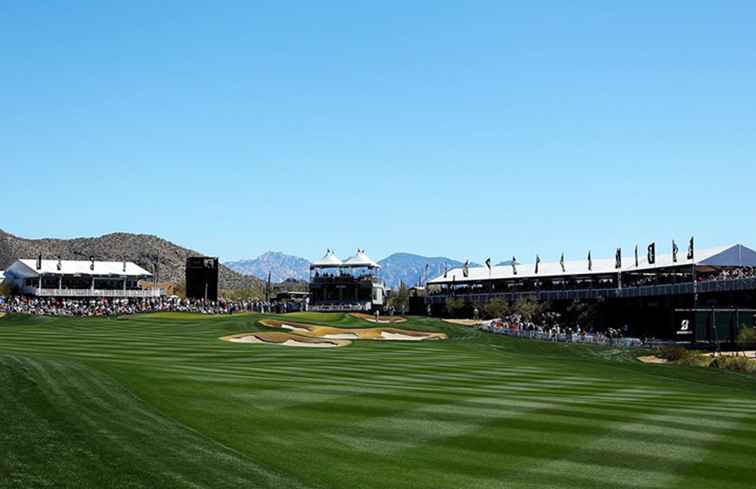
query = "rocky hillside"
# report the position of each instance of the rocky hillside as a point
(410, 269)
(142, 249)
(280, 266)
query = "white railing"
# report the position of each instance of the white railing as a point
(117, 293)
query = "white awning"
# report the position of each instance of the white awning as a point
(28, 268)
(328, 260)
(360, 259)
(734, 255)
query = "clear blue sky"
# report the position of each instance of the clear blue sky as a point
(466, 129)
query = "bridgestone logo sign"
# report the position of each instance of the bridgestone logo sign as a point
(684, 327)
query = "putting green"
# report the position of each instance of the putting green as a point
(160, 402)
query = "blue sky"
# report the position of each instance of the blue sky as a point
(465, 129)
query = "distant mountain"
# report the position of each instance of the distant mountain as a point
(280, 266)
(141, 249)
(410, 269)
(396, 268)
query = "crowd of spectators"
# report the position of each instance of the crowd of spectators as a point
(514, 325)
(605, 282)
(120, 307)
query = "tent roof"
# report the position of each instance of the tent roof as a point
(328, 260)
(28, 268)
(360, 259)
(734, 255)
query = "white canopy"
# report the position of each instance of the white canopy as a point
(328, 260)
(28, 268)
(360, 259)
(734, 255)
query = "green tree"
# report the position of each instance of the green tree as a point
(496, 308)
(454, 305)
(527, 308)
(400, 300)
(746, 337)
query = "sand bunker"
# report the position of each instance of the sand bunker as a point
(652, 359)
(310, 335)
(286, 339)
(381, 319)
(463, 322)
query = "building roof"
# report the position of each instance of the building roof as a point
(360, 259)
(28, 268)
(734, 255)
(328, 260)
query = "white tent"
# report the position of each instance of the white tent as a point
(734, 255)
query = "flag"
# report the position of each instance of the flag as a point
(466, 268)
(124, 265)
(618, 259)
(636, 254)
(674, 251)
(514, 265)
(39, 262)
(590, 262)
(446, 269)
(488, 265)
(538, 262)
(651, 254)
(91, 263)
(60, 264)
(427, 267)
(690, 249)
(561, 263)
(454, 283)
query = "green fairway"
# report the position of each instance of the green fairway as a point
(159, 401)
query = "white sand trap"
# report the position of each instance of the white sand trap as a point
(652, 359)
(245, 339)
(401, 337)
(312, 345)
(294, 328)
(463, 322)
(341, 336)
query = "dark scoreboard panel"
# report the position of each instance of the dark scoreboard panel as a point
(202, 278)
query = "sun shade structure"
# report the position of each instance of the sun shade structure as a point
(328, 260)
(28, 268)
(723, 256)
(349, 285)
(360, 259)
(80, 278)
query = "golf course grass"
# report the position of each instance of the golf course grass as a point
(160, 401)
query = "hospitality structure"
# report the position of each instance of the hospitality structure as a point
(349, 285)
(79, 279)
(701, 295)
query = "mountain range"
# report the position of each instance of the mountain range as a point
(396, 268)
(142, 249)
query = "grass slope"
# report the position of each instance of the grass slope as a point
(161, 402)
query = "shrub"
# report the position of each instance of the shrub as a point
(495, 308)
(674, 353)
(454, 305)
(739, 364)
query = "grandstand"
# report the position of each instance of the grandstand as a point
(349, 285)
(79, 279)
(654, 294)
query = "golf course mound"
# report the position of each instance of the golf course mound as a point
(382, 320)
(298, 330)
(286, 339)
